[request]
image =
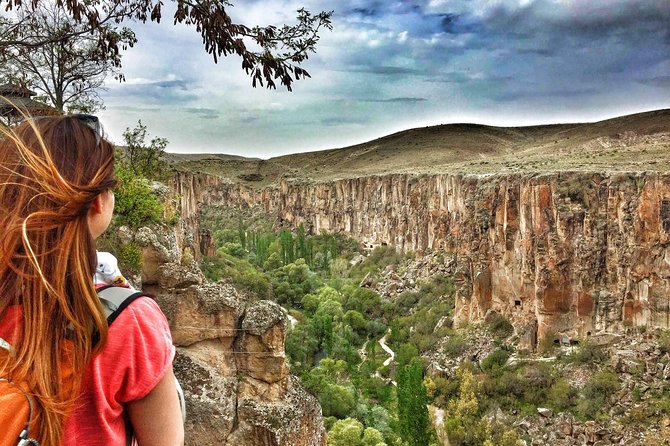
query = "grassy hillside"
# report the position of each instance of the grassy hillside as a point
(639, 142)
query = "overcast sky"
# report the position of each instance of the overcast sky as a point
(393, 65)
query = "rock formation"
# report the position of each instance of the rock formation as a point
(230, 354)
(571, 252)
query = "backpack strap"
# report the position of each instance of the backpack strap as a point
(115, 299)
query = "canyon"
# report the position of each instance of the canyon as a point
(561, 250)
(563, 230)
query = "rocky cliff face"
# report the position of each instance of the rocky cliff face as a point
(572, 252)
(230, 354)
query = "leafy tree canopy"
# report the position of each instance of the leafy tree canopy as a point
(69, 66)
(269, 53)
(143, 159)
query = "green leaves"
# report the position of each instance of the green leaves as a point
(142, 159)
(136, 203)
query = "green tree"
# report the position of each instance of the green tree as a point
(350, 432)
(337, 401)
(464, 425)
(287, 246)
(144, 160)
(372, 437)
(61, 58)
(301, 344)
(345, 432)
(301, 243)
(412, 401)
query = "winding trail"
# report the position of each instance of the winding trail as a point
(387, 349)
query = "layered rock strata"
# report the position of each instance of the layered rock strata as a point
(230, 355)
(572, 252)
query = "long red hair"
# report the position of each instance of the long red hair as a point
(51, 171)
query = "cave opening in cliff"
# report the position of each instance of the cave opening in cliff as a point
(517, 303)
(665, 214)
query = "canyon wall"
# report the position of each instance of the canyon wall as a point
(572, 253)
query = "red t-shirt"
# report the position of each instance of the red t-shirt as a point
(137, 355)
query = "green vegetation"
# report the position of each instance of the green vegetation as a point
(412, 400)
(130, 257)
(142, 159)
(138, 202)
(334, 348)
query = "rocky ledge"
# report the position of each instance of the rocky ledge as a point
(230, 355)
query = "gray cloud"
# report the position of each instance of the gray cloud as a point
(342, 120)
(386, 70)
(659, 81)
(204, 113)
(514, 95)
(405, 100)
(164, 91)
(134, 109)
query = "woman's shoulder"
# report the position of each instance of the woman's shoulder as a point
(143, 319)
(139, 347)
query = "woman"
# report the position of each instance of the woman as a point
(56, 180)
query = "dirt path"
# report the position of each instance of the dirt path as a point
(387, 349)
(437, 416)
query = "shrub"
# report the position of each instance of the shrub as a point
(130, 257)
(136, 204)
(562, 395)
(234, 249)
(495, 360)
(500, 326)
(455, 345)
(664, 342)
(589, 353)
(596, 393)
(337, 401)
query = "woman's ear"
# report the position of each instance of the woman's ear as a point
(96, 205)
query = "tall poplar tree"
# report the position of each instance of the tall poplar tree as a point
(412, 404)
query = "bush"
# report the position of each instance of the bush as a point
(495, 360)
(455, 345)
(664, 342)
(562, 396)
(130, 258)
(596, 393)
(337, 401)
(589, 354)
(234, 249)
(136, 204)
(500, 326)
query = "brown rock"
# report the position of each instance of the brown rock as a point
(576, 265)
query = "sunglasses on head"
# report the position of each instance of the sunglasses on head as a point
(91, 122)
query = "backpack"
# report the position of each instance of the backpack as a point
(17, 411)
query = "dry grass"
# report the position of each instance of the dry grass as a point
(636, 143)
